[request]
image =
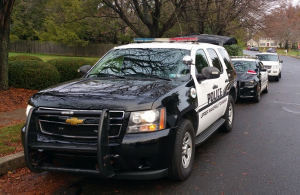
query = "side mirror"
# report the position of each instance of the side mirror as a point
(187, 60)
(210, 72)
(280, 61)
(84, 69)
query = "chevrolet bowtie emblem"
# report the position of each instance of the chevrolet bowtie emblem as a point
(74, 121)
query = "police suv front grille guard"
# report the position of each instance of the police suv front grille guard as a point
(114, 115)
(32, 146)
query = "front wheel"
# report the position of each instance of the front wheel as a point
(258, 91)
(229, 115)
(184, 151)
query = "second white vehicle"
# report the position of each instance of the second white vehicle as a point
(272, 63)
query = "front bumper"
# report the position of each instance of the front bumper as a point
(273, 72)
(247, 91)
(137, 156)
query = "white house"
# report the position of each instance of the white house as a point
(252, 43)
(268, 42)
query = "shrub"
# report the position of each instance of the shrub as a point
(67, 67)
(23, 57)
(32, 74)
(234, 50)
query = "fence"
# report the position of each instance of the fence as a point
(90, 50)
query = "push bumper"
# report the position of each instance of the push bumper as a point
(138, 156)
(247, 91)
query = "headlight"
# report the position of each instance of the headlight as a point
(249, 82)
(147, 121)
(28, 108)
(275, 67)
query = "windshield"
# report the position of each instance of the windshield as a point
(244, 66)
(267, 57)
(143, 62)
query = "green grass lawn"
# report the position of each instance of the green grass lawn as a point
(46, 57)
(9, 137)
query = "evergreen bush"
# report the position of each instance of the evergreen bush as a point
(67, 67)
(234, 50)
(30, 74)
(23, 57)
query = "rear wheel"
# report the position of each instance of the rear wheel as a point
(184, 151)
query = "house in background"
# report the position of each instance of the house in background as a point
(263, 42)
(268, 42)
(252, 43)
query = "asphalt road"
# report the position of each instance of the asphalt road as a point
(260, 156)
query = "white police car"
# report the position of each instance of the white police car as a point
(136, 114)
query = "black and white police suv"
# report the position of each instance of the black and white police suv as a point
(136, 114)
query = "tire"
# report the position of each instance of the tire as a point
(258, 90)
(279, 75)
(228, 116)
(184, 151)
(266, 90)
(277, 78)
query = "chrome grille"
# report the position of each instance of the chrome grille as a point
(87, 127)
(268, 67)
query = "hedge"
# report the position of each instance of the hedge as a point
(30, 74)
(234, 50)
(23, 57)
(67, 67)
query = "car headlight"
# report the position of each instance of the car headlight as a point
(275, 67)
(28, 109)
(147, 121)
(249, 82)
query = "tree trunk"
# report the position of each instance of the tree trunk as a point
(6, 7)
(4, 49)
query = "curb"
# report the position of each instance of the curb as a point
(12, 162)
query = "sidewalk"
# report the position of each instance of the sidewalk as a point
(13, 161)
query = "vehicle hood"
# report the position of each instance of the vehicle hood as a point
(270, 63)
(241, 76)
(98, 93)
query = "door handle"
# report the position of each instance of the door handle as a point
(215, 86)
(226, 81)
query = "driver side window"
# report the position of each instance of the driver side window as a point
(201, 60)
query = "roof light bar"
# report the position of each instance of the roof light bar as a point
(178, 39)
(183, 39)
(249, 57)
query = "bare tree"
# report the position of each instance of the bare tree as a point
(148, 18)
(5, 12)
(222, 17)
(282, 24)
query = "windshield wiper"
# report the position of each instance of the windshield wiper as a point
(100, 74)
(150, 76)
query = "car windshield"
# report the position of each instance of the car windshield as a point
(165, 63)
(267, 57)
(244, 66)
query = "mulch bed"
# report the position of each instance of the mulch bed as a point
(14, 98)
